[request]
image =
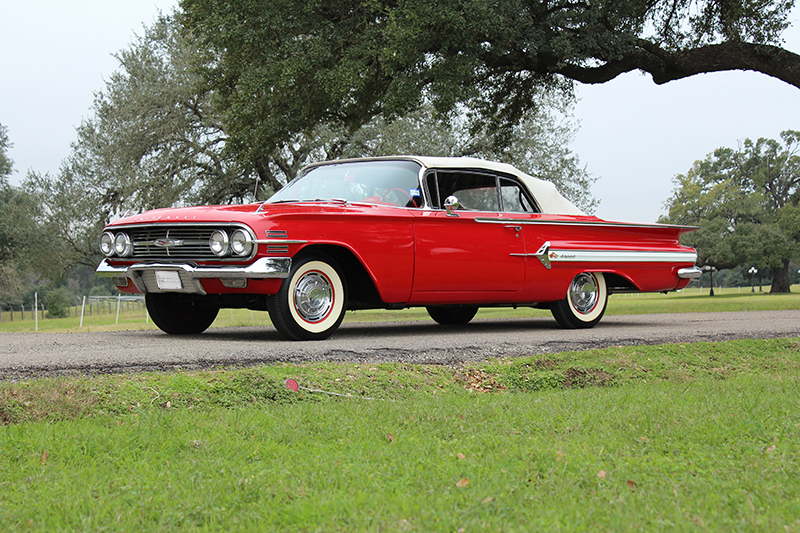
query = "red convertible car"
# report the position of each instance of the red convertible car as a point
(449, 234)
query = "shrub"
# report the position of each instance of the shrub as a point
(58, 302)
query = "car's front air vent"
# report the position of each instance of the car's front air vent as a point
(277, 234)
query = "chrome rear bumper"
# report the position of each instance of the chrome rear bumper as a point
(690, 273)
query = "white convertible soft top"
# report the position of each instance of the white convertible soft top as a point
(546, 194)
(550, 200)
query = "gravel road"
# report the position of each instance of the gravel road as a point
(25, 355)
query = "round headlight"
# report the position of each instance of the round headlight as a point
(218, 242)
(122, 245)
(241, 242)
(107, 244)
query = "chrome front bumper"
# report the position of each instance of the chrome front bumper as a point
(153, 277)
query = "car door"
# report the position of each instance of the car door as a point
(456, 253)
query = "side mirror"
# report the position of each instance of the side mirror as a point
(451, 203)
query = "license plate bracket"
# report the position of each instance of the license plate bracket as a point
(169, 280)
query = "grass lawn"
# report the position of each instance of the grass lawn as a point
(685, 437)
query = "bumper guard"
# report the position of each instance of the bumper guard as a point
(690, 273)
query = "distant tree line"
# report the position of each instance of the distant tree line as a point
(746, 202)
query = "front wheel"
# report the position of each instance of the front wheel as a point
(452, 315)
(585, 303)
(312, 301)
(180, 314)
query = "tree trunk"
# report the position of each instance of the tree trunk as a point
(780, 279)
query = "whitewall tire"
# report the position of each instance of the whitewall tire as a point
(311, 302)
(585, 302)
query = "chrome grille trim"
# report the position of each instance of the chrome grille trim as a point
(178, 241)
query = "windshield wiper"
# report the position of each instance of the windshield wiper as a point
(338, 200)
(295, 200)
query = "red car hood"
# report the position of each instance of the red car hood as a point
(246, 213)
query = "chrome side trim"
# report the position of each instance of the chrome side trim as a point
(621, 256)
(690, 273)
(264, 268)
(548, 256)
(490, 220)
(542, 255)
(278, 241)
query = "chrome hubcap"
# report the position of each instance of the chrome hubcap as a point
(583, 293)
(313, 296)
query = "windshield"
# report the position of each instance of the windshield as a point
(380, 182)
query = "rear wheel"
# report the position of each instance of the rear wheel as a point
(452, 315)
(585, 303)
(311, 302)
(180, 314)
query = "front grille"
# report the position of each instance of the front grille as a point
(193, 243)
(182, 242)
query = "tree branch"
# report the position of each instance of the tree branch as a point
(666, 66)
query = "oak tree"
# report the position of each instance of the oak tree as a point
(283, 67)
(746, 202)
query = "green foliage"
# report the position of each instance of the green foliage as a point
(58, 302)
(282, 68)
(6, 164)
(23, 243)
(747, 204)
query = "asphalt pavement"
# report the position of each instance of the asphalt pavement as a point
(24, 355)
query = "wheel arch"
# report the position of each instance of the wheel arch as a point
(618, 282)
(361, 288)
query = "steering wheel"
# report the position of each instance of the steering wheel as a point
(397, 189)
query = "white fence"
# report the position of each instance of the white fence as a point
(85, 306)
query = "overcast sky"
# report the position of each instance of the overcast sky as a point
(635, 136)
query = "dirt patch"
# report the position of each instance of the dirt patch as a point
(578, 378)
(479, 381)
(543, 364)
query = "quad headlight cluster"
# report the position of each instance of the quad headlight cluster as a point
(238, 243)
(119, 244)
(234, 243)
